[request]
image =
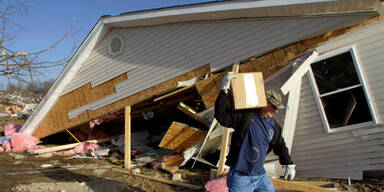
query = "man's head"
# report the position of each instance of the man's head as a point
(274, 103)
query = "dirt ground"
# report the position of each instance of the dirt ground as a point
(26, 172)
(23, 172)
(62, 173)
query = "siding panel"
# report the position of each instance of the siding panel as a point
(334, 155)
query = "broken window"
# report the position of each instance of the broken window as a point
(340, 90)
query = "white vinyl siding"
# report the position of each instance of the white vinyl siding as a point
(348, 153)
(155, 54)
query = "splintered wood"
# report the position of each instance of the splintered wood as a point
(282, 185)
(181, 137)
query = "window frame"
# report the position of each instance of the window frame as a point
(315, 90)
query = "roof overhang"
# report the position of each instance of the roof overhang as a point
(239, 9)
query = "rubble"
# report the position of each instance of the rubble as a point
(18, 104)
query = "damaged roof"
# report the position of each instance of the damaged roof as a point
(211, 11)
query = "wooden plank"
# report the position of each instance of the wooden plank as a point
(69, 146)
(236, 67)
(170, 168)
(225, 138)
(174, 161)
(180, 184)
(246, 68)
(181, 137)
(190, 112)
(185, 135)
(208, 91)
(195, 139)
(202, 160)
(278, 183)
(213, 125)
(323, 184)
(172, 132)
(127, 138)
(223, 151)
(172, 93)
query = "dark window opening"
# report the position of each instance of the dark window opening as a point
(346, 108)
(341, 92)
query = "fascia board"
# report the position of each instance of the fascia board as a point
(216, 7)
(65, 77)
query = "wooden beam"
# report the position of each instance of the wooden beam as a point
(69, 146)
(225, 139)
(213, 125)
(208, 91)
(223, 152)
(190, 112)
(323, 184)
(180, 137)
(136, 111)
(127, 138)
(172, 93)
(179, 184)
(278, 183)
(236, 67)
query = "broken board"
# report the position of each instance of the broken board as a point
(181, 137)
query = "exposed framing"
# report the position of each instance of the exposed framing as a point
(127, 138)
(352, 49)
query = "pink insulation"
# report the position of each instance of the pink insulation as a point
(6, 146)
(217, 185)
(23, 141)
(86, 147)
(100, 120)
(82, 148)
(69, 152)
(11, 128)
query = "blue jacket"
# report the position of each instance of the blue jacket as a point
(240, 120)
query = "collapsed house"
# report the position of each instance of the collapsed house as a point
(326, 55)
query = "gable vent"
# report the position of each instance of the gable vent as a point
(115, 46)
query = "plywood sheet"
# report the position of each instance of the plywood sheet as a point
(208, 91)
(181, 136)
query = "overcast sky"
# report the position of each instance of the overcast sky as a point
(47, 20)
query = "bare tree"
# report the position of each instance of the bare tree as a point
(22, 65)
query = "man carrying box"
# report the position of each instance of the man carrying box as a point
(256, 134)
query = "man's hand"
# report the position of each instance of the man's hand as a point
(290, 172)
(226, 82)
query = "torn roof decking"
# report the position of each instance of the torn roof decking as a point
(52, 114)
(57, 120)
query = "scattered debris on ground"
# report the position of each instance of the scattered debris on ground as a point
(92, 158)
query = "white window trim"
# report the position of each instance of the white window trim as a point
(311, 77)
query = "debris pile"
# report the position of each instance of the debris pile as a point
(18, 103)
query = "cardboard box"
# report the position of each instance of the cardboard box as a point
(248, 90)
